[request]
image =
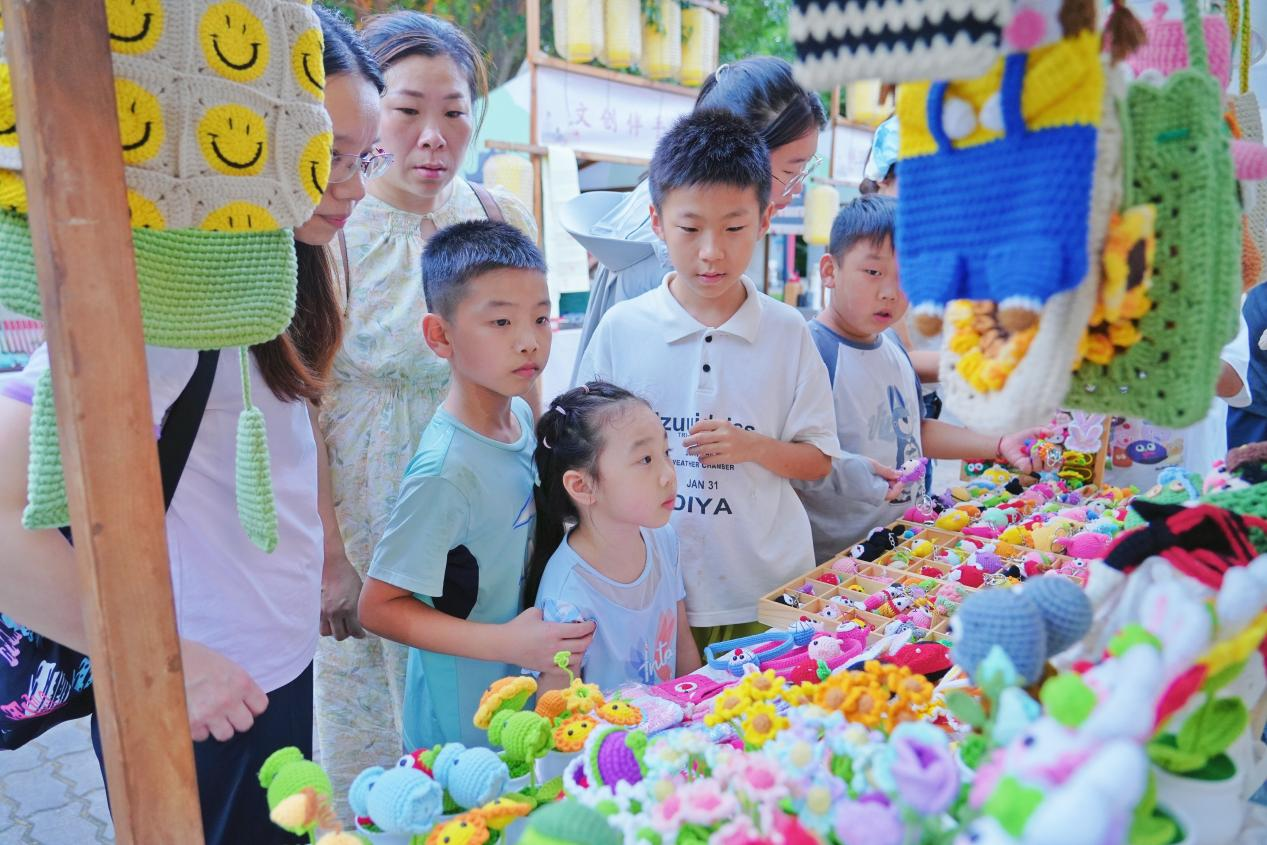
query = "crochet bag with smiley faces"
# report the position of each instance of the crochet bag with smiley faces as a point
(226, 143)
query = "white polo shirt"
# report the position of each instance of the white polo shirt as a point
(741, 529)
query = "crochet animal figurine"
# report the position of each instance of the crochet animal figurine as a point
(402, 799)
(475, 776)
(1030, 625)
(611, 755)
(298, 792)
(1201, 541)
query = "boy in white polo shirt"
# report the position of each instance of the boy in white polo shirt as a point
(734, 376)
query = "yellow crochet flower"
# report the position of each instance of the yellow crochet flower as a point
(729, 705)
(762, 686)
(582, 697)
(761, 724)
(802, 693)
(510, 693)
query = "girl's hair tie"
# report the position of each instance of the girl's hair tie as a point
(545, 443)
(563, 412)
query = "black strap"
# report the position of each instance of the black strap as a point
(180, 428)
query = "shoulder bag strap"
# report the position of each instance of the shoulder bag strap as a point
(492, 210)
(347, 273)
(180, 429)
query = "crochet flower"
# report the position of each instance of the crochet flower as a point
(571, 733)
(504, 694)
(740, 831)
(756, 776)
(729, 705)
(868, 823)
(925, 771)
(582, 697)
(799, 694)
(762, 686)
(619, 712)
(819, 798)
(706, 802)
(761, 723)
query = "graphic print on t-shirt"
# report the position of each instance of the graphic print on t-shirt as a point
(652, 663)
(893, 421)
(697, 494)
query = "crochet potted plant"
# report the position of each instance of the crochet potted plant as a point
(1197, 782)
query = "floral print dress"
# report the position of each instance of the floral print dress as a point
(386, 385)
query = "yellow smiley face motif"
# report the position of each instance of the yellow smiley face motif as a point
(239, 217)
(12, 191)
(140, 121)
(135, 25)
(144, 212)
(307, 65)
(8, 114)
(314, 165)
(234, 140)
(234, 42)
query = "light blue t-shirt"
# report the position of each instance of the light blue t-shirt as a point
(635, 640)
(458, 538)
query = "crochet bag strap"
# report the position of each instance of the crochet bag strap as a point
(492, 210)
(1194, 34)
(1010, 90)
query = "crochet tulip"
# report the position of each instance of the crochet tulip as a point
(925, 771)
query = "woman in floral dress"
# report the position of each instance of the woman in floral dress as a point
(386, 381)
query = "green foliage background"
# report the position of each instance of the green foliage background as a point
(753, 27)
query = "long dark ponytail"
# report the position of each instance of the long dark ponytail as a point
(569, 437)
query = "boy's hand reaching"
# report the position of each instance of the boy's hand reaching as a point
(536, 641)
(890, 475)
(716, 442)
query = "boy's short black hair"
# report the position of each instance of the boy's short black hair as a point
(871, 217)
(458, 253)
(710, 147)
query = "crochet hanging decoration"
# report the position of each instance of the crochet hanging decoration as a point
(1002, 381)
(226, 144)
(996, 176)
(838, 41)
(1176, 158)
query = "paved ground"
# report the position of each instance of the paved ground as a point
(51, 791)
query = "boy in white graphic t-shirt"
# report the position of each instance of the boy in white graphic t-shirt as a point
(733, 375)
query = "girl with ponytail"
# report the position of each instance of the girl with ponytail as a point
(604, 548)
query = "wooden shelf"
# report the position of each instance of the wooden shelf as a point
(541, 59)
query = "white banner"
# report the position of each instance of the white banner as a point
(853, 145)
(599, 116)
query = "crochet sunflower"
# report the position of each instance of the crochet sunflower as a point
(510, 693)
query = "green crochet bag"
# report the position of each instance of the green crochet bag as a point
(1176, 158)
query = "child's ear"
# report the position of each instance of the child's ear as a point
(827, 270)
(766, 217)
(578, 485)
(435, 331)
(656, 225)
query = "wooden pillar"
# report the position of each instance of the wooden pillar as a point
(64, 90)
(533, 24)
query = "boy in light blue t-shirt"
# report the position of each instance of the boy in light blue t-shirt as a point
(446, 578)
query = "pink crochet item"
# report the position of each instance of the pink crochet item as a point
(1167, 50)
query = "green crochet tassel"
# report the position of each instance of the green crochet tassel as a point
(46, 485)
(256, 510)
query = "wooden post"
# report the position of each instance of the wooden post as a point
(64, 91)
(533, 24)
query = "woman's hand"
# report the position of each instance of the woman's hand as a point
(221, 698)
(340, 590)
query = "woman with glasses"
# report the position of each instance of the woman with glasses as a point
(616, 228)
(387, 383)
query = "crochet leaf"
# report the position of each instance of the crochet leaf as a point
(46, 485)
(256, 509)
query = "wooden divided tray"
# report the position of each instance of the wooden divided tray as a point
(898, 565)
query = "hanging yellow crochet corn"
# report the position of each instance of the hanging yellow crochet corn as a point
(512, 172)
(699, 38)
(862, 103)
(622, 33)
(662, 42)
(821, 203)
(578, 30)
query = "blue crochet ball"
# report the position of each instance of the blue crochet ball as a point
(405, 801)
(1065, 608)
(1003, 618)
(473, 776)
